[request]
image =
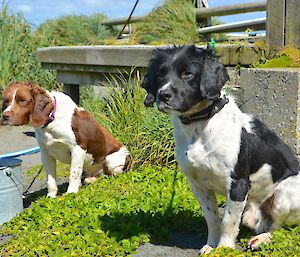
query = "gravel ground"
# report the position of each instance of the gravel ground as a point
(179, 244)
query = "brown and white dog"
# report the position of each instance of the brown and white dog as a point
(65, 132)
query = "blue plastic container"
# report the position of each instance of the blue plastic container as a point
(11, 202)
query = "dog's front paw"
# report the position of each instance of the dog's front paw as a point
(52, 194)
(255, 242)
(72, 189)
(206, 249)
(90, 180)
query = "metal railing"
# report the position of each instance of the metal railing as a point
(204, 13)
(282, 22)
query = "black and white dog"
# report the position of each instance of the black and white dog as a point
(223, 150)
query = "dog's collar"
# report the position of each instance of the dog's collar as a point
(206, 113)
(52, 114)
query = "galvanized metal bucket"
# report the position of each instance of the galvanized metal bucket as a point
(11, 202)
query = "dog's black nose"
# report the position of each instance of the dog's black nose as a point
(164, 95)
(3, 120)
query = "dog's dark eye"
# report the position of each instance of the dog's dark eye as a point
(22, 102)
(186, 75)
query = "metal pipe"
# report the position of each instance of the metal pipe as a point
(202, 13)
(257, 24)
(120, 21)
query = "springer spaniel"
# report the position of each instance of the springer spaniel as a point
(223, 150)
(64, 132)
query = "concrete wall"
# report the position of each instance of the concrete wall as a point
(273, 96)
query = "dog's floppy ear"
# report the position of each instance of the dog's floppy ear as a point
(42, 106)
(213, 78)
(150, 79)
(150, 85)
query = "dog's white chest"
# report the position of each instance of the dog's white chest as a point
(203, 167)
(207, 153)
(58, 148)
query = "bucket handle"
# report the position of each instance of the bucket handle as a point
(10, 175)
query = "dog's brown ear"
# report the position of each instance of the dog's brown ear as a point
(42, 106)
(214, 77)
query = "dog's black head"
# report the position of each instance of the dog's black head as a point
(179, 78)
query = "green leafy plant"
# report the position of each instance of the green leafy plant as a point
(109, 218)
(116, 214)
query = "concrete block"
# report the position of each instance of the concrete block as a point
(272, 95)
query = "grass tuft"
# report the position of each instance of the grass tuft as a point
(18, 46)
(172, 23)
(76, 30)
(146, 132)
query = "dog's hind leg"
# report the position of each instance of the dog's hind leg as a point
(255, 242)
(282, 208)
(259, 218)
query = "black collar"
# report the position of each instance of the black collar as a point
(206, 113)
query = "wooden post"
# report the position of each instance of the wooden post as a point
(283, 23)
(72, 91)
(292, 29)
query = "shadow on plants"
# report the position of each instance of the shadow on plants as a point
(32, 197)
(180, 229)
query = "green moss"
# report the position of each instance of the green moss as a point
(279, 62)
(286, 58)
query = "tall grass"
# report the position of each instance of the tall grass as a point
(18, 47)
(18, 43)
(172, 23)
(145, 131)
(76, 30)
(12, 33)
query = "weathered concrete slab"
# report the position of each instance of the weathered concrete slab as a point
(96, 55)
(89, 65)
(273, 96)
(130, 56)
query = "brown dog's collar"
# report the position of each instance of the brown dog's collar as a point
(206, 113)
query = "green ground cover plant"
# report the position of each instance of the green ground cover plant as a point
(116, 214)
(109, 218)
